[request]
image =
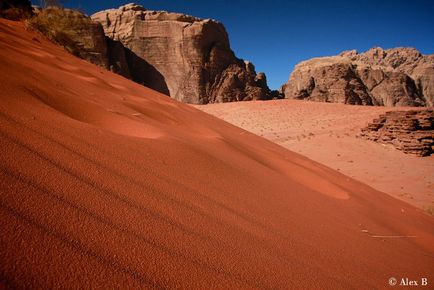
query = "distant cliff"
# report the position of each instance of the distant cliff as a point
(182, 56)
(392, 77)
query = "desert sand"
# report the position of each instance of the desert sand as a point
(107, 184)
(326, 133)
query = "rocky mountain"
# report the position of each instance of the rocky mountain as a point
(185, 57)
(392, 77)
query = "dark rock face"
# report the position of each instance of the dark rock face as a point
(185, 57)
(117, 60)
(409, 131)
(92, 44)
(393, 77)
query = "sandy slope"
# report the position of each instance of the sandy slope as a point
(106, 184)
(326, 133)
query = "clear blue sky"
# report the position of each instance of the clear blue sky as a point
(276, 35)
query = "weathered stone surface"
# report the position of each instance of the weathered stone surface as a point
(183, 56)
(92, 43)
(393, 77)
(409, 131)
(423, 75)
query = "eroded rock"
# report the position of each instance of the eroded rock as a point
(183, 56)
(409, 131)
(393, 77)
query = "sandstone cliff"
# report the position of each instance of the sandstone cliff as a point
(392, 77)
(185, 57)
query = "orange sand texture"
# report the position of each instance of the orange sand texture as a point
(107, 184)
(326, 132)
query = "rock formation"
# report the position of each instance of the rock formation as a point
(409, 131)
(179, 55)
(183, 56)
(392, 77)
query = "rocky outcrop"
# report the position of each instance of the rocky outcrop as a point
(409, 131)
(179, 55)
(91, 43)
(183, 56)
(393, 77)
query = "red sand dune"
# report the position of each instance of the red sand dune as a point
(107, 184)
(326, 133)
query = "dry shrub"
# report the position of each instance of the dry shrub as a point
(15, 9)
(61, 26)
(429, 209)
(14, 14)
